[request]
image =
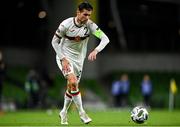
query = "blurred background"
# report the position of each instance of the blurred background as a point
(144, 45)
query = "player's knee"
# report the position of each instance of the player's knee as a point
(72, 80)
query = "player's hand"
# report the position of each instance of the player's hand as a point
(65, 65)
(92, 55)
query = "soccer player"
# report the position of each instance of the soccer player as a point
(70, 44)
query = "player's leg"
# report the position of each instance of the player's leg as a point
(67, 103)
(67, 99)
(76, 96)
(74, 91)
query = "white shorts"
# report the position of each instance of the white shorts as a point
(75, 68)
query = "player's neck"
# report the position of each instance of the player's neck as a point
(78, 22)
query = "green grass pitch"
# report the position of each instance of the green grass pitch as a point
(106, 118)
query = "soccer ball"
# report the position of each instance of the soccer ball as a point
(139, 114)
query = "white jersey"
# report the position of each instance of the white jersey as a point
(74, 38)
(73, 41)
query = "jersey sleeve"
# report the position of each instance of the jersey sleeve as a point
(60, 32)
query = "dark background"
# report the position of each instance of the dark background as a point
(149, 26)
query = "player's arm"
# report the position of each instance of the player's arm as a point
(55, 43)
(104, 41)
(57, 39)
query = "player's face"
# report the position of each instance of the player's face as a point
(83, 16)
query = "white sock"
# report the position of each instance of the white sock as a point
(67, 102)
(78, 101)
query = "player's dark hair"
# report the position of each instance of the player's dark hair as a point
(85, 5)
